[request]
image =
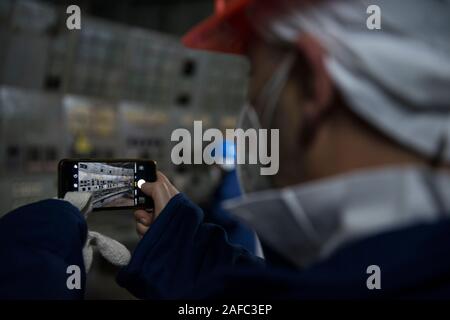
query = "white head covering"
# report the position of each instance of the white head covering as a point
(396, 78)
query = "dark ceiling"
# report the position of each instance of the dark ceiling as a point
(170, 16)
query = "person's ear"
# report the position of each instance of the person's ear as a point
(318, 89)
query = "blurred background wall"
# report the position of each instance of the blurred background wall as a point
(114, 89)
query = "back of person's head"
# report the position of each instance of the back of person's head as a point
(352, 83)
(356, 96)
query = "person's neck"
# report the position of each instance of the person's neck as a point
(347, 144)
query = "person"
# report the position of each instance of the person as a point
(360, 205)
(46, 249)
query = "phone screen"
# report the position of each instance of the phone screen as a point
(114, 184)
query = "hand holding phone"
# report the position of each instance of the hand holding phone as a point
(161, 191)
(114, 184)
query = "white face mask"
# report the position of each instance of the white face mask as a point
(249, 175)
(308, 222)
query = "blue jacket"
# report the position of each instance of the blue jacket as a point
(38, 243)
(237, 232)
(183, 257)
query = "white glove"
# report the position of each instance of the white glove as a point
(81, 200)
(112, 250)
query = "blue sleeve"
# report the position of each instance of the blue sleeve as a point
(342, 275)
(38, 242)
(238, 232)
(178, 251)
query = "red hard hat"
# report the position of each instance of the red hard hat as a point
(230, 29)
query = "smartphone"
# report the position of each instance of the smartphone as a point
(114, 184)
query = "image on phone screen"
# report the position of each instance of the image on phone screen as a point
(112, 184)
